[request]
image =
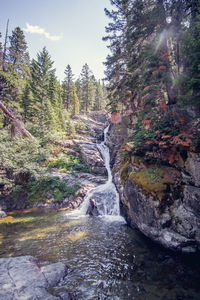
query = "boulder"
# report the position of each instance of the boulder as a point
(2, 214)
(92, 209)
(176, 225)
(21, 278)
(192, 166)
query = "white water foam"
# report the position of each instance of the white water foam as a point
(105, 196)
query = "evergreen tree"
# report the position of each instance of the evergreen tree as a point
(75, 101)
(18, 54)
(67, 87)
(41, 72)
(27, 103)
(87, 86)
(99, 97)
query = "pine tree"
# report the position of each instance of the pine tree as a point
(99, 97)
(67, 87)
(27, 103)
(41, 72)
(75, 101)
(18, 54)
(87, 86)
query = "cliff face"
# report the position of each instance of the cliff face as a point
(161, 198)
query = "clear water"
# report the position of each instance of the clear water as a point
(106, 258)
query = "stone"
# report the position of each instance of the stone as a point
(177, 227)
(21, 278)
(2, 214)
(191, 199)
(192, 166)
(92, 209)
(54, 273)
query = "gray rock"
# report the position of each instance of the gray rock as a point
(54, 273)
(191, 199)
(193, 167)
(92, 209)
(2, 214)
(176, 227)
(21, 278)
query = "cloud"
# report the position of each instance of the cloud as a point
(39, 30)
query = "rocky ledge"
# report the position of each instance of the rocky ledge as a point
(21, 278)
(162, 201)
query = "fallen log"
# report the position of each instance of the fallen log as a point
(17, 126)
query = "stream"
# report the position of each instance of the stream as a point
(106, 258)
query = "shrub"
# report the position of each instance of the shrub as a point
(38, 189)
(69, 163)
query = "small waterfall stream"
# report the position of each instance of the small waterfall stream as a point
(105, 197)
(106, 258)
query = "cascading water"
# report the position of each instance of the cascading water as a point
(105, 197)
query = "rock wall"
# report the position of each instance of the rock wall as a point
(163, 202)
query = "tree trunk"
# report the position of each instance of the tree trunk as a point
(17, 126)
(5, 49)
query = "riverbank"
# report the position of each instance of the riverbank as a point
(54, 171)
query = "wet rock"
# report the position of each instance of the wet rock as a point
(2, 214)
(54, 273)
(90, 154)
(92, 209)
(191, 199)
(21, 278)
(94, 123)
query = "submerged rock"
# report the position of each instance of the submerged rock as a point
(21, 278)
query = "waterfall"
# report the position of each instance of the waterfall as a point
(105, 197)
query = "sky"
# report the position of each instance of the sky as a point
(71, 30)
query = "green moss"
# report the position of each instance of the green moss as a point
(124, 171)
(154, 180)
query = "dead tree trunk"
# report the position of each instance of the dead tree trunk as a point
(17, 126)
(5, 49)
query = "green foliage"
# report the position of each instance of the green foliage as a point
(75, 102)
(70, 129)
(80, 127)
(69, 163)
(21, 155)
(37, 190)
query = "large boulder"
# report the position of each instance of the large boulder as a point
(173, 223)
(192, 166)
(21, 278)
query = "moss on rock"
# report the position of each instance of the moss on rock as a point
(124, 171)
(154, 180)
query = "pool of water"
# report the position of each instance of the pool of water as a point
(106, 259)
